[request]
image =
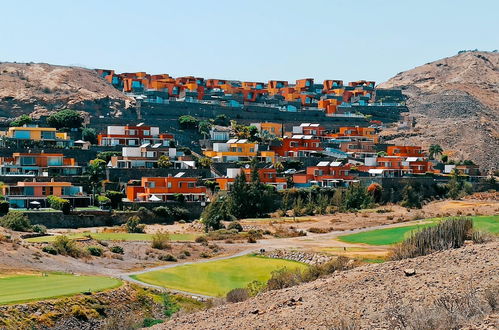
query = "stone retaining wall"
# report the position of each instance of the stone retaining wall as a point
(300, 256)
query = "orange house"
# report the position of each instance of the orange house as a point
(405, 151)
(357, 133)
(325, 174)
(164, 189)
(37, 163)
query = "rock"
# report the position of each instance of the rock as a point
(409, 272)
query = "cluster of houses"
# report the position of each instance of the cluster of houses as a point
(331, 158)
(333, 97)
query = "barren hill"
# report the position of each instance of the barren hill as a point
(377, 296)
(37, 88)
(455, 102)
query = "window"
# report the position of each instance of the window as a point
(131, 132)
(28, 161)
(131, 142)
(169, 185)
(191, 185)
(146, 132)
(48, 135)
(239, 149)
(252, 149)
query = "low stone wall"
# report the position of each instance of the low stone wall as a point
(300, 256)
(78, 219)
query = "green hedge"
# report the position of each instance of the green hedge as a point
(58, 203)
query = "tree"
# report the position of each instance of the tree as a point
(21, 121)
(412, 196)
(205, 162)
(444, 158)
(106, 155)
(65, 119)
(164, 162)
(381, 154)
(115, 197)
(89, 134)
(375, 190)
(356, 198)
(455, 186)
(188, 122)
(216, 212)
(221, 120)
(435, 150)
(96, 170)
(204, 128)
(279, 167)
(133, 225)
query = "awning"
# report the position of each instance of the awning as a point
(376, 171)
(155, 198)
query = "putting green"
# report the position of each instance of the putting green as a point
(395, 235)
(115, 237)
(23, 288)
(216, 278)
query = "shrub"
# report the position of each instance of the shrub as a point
(50, 250)
(133, 225)
(4, 207)
(235, 225)
(201, 240)
(89, 135)
(58, 203)
(117, 249)
(179, 213)
(148, 322)
(186, 253)
(448, 234)
(160, 240)
(95, 251)
(164, 213)
(284, 278)
(66, 246)
(103, 200)
(179, 197)
(17, 221)
(237, 295)
(41, 229)
(317, 230)
(84, 314)
(204, 255)
(169, 305)
(167, 257)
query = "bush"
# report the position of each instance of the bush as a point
(186, 253)
(17, 221)
(161, 240)
(179, 213)
(237, 295)
(448, 234)
(235, 225)
(188, 122)
(41, 229)
(65, 119)
(167, 257)
(133, 225)
(50, 250)
(66, 246)
(89, 135)
(103, 200)
(58, 203)
(95, 251)
(21, 121)
(163, 213)
(117, 249)
(4, 207)
(148, 322)
(284, 278)
(201, 240)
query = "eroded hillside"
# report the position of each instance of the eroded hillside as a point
(455, 101)
(37, 89)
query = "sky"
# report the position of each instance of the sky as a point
(247, 40)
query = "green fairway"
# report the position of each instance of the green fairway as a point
(23, 288)
(398, 234)
(216, 278)
(116, 237)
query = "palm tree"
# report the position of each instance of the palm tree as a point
(435, 149)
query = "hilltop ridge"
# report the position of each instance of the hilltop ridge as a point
(455, 101)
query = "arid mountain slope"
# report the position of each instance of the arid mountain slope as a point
(377, 296)
(455, 101)
(36, 88)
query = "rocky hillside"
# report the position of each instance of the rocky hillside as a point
(455, 102)
(37, 89)
(378, 296)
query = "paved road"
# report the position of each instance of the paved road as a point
(324, 240)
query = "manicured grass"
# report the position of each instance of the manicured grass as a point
(216, 278)
(115, 237)
(398, 234)
(23, 288)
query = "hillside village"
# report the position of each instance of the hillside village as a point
(242, 181)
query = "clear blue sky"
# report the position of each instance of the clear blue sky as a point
(247, 40)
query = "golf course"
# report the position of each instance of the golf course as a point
(216, 278)
(24, 288)
(389, 236)
(114, 237)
